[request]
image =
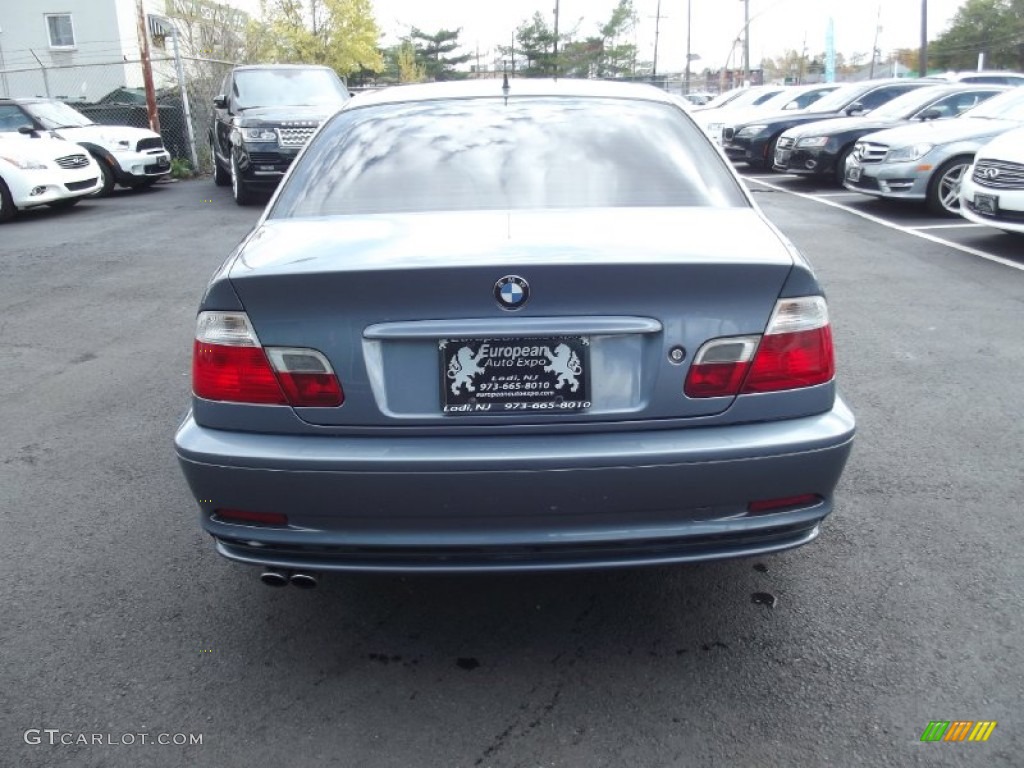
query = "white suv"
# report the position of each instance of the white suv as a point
(131, 157)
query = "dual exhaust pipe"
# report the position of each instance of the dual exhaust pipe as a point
(274, 577)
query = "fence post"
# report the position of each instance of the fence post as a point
(46, 79)
(190, 132)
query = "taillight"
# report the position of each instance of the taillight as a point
(795, 351)
(229, 364)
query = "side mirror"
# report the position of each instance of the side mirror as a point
(930, 114)
(220, 102)
(855, 109)
(26, 130)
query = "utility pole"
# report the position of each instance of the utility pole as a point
(746, 41)
(147, 69)
(922, 59)
(657, 29)
(686, 76)
(556, 38)
(874, 45)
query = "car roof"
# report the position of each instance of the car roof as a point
(244, 67)
(485, 87)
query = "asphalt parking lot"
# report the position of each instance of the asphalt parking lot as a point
(120, 620)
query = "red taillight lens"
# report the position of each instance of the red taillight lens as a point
(795, 351)
(229, 364)
(245, 516)
(774, 505)
(237, 374)
(306, 377)
(792, 360)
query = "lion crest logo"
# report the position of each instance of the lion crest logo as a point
(462, 368)
(565, 365)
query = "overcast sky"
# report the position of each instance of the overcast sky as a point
(776, 25)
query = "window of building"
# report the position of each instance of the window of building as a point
(62, 33)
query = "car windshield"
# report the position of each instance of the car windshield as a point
(839, 98)
(909, 103)
(1005, 106)
(56, 114)
(483, 154)
(288, 88)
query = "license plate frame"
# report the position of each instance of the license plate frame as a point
(542, 375)
(782, 156)
(986, 204)
(853, 174)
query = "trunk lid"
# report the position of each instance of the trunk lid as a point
(392, 300)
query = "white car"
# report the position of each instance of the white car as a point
(43, 171)
(784, 100)
(128, 156)
(992, 190)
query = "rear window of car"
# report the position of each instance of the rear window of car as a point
(484, 154)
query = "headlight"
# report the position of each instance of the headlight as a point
(812, 141)
(25, 165)
(751, 130)
(258, 134)
(908, 154)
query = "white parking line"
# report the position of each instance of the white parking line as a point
(965, 225)
(898, 227)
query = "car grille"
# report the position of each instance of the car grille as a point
(73, 161)
(867, 153)
(294, 137)
(154, 143)
(264, 158)
(74, 186)
(785, 142)
(998, 174)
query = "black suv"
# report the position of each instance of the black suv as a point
(263, 116)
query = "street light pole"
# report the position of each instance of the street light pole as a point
(922, 59)
(657, 28)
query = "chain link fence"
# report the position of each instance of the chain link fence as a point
(111, 93)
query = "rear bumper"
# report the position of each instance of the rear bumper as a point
(494, 503)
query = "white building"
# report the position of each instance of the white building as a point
(84, 49)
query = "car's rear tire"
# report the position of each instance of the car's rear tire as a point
(7, 209)
(106, 179)
(61, 205)
(943, 196)
(242, 194)
(840, 171)
(221, 177)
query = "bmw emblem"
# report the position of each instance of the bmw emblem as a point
(512, 292)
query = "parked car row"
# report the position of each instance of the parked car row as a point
(44, 139)
(900, 139)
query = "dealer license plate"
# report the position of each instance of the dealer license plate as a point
(853, 174)
(782, 156)
(497, 376)
(986, 203)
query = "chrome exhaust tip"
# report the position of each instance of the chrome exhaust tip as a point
(274, 578)
(304, 580)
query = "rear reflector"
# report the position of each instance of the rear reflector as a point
(795, 351)
(229, 364)
(245, 516)
(787, 502)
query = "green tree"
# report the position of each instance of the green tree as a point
(341, 34)
(992, 27)
(433, 53)
(409, 68)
